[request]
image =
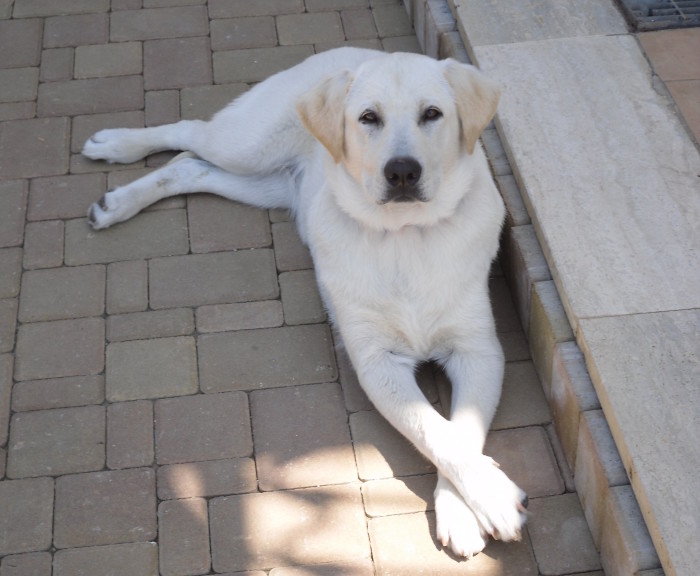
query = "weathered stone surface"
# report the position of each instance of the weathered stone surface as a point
(655, 426)
(579, 227)
(514, 21)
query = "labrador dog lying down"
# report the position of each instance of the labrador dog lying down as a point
(377, 157)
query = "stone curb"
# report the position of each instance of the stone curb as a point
(611, 510)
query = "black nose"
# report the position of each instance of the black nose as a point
(402, 174)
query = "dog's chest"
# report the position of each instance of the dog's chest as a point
(408, 289)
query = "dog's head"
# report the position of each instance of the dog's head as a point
(403, 128)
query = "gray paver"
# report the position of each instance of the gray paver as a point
(64, 196)
(309, 28)
(97, 508)
(122, 59)
(20, 42)
(151, 324)
(392, 496)
(266, 358)
(157, 233)
(239, 316)
(206, 479)
(54, 442)
(522, 400)
(8, 321)
(26, 8)
(58, 393)
(10, 272)
(526, 456)
(140, 369)
(116, 560)
(127, 287)
(162, 107)
(404, 544)
(26, 513)
(557, 524)
(382, 452)
(91, 96)
(202, 102)
(43, 244)
(203, 427)
(176, 63)
(13, 208)
(150, 24)
(60, 293)
(56, 64)
(18, 84)
(301, 437)
(300, 298)
(306, 526)
(130, 434)
(23, 141)
(30, 564)
(218, 224)
(6, 362)
(74, 30)
(227, 9)
(256, 64)
(60, 348)
(183, 537)
(237, 33)
(290, 253)
(223, 277)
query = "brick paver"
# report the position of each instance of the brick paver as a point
(171, 401)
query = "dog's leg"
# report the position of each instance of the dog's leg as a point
(453, 446)
(186, 174)
(126, 145)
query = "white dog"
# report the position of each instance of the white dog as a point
(377, 156)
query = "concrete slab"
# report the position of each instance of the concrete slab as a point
(506, 21)
(651, 401)
(615, 207)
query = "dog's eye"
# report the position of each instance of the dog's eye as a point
(431, 114)
(369, 117)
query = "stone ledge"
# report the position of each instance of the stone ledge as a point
(558, 361)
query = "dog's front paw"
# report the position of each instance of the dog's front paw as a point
(456, 525)
(114, 145)
(498, 503)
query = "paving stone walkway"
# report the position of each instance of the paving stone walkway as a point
(171, 401)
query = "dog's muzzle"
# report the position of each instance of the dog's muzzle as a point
(402, 175)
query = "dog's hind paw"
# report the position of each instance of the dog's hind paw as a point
(120, 145)
(456, 526)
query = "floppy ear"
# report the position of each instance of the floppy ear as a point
(322, 111)
(477, 99)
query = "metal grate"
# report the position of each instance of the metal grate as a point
(659, 14)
